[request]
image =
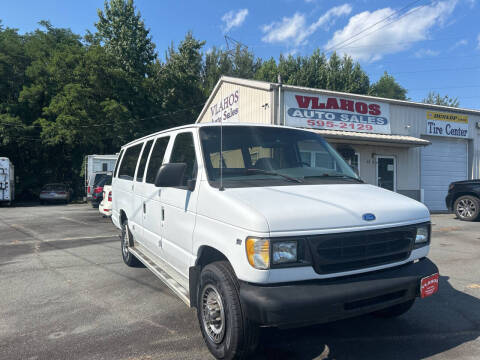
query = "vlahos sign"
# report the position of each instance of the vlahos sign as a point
(336, 113)
(226, 109)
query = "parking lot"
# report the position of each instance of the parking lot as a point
(66, 294)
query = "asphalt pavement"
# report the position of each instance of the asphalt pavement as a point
(66, 294)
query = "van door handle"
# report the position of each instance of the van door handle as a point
(163, 213)
(144, 208)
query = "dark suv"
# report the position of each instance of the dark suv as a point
(97, 193)
(463, 198)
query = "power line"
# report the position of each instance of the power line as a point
(371, 26)
(435, 70)
(445, 88)
(106, 124)
(381, 27)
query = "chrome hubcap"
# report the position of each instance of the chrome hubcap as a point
(466, 208)
(213, 315)
(126, 242)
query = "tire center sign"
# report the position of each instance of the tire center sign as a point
(447, 124)
(336, 113)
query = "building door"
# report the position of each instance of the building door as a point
(444, 161)
(386, 172)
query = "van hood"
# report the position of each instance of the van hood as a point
(327, 206)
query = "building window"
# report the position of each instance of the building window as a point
(354, 163)
(318, 159)
(351, 157)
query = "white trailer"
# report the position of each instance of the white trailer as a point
(7, 181)
(98, 163)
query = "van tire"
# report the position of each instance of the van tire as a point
(396, 310)
(467, 208)
(240, 336)
(126, 240)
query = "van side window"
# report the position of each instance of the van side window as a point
(156, 159)
(129, 162)
(117, 163)
(184, 152)
(143, 160)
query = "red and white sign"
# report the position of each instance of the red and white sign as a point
(429, 285)
(336, 113)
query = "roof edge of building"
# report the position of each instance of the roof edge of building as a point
(264, 85)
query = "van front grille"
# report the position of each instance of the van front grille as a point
(332, 253)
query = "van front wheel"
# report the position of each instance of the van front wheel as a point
(126, 242)
(228, 334)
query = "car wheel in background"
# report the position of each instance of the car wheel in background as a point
(467, 207)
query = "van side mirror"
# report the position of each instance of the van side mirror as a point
(170, 175)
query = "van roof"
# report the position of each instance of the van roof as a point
(199, 125)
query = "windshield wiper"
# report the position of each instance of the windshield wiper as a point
(338, 176)
(273, 173)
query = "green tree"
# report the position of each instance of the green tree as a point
(180, 82)
(387, 87)
(216, 64)
(436, 99)
(267, 71)
(125, 36)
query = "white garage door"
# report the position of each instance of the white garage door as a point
(444, 161)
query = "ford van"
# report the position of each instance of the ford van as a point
(237, 222)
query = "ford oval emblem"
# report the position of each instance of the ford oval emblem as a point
(368, 217)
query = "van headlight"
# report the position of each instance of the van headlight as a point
(265, 253)
(284, 252)
(422, 237)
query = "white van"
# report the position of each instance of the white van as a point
(239, 226)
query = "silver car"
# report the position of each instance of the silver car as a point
(55, 193)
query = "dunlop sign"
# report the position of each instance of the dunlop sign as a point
(336, 113)
(447, 124)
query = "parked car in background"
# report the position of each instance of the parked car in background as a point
(55, 193)
(105, 207)
(463, 199)
(97, 193)
(93, 181)
(97, 164)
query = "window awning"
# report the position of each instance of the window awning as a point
(368, 138)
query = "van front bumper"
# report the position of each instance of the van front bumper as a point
(320, 301)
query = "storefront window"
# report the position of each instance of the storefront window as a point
(351, 157)
(354, 162)
(306, 158)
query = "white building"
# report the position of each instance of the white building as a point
(412, 148)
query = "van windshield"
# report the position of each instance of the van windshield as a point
(265, 156)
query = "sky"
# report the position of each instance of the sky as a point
(426, 45)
